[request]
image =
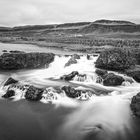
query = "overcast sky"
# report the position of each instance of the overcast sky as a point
(22, 12)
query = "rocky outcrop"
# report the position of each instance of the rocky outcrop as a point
(15, 61)
(69, 76)
(101, 72)
(112, 80)
(114, 59)
(135, 74)
(135, 105)
(33, 93)
(72, 60)
(71, 92)
(108, 79)
(9, 94)
(10, 81)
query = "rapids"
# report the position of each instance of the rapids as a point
(105, 117)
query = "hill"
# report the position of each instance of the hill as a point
(107, 28)
(113, 22)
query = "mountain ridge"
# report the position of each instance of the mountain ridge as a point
(100, 26)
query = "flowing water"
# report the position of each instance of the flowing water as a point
(105, 117)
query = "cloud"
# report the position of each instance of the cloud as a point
(22, 12)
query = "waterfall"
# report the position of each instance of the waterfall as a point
(95, 116)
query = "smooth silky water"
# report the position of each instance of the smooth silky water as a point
(106, 117)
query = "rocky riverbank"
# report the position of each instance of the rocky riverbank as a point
(14, 88)
(16, 60)
(122, 61)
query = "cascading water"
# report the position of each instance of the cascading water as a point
(101, 117)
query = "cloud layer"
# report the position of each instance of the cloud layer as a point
(22, 12)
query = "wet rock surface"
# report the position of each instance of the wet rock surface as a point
(112, 80)
(135, 105)
(10, 81)
(101, 72)
(69, 76)
(33, 93)
(75, 56)
(71, 92)
(21, 60)
(135, 74)
(9, 94)
(72, 60)
(115, 59)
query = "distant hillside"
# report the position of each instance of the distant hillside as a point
(44, 27)
(33, 27)
(99, 26)
(3, 29)
(113, 22)
(72, 24)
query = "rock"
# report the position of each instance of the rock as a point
(112, 80)
(15, 61)
(88, 57)
(33, 93)
(114, 59)
(75, 56)
(70, 62)
(101, 72)
(71, 92)
(135, 105)
(95, 55)
(135, 74)
(10, 81)
(129, 80)
(16, 51)
(4, 51)
(9, 94)
(69, 76)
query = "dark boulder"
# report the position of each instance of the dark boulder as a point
(115, 59)
(71, 92)
(101, 72)
(69, 76)
(135, 105)
(15, 61)
(88, 57)
(10, 81)
(112, 80)
(9, 94)
(33, 93)
(135, 74)
(4, 51)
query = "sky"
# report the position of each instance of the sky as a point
(40, 12)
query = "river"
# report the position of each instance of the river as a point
(105, 117)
